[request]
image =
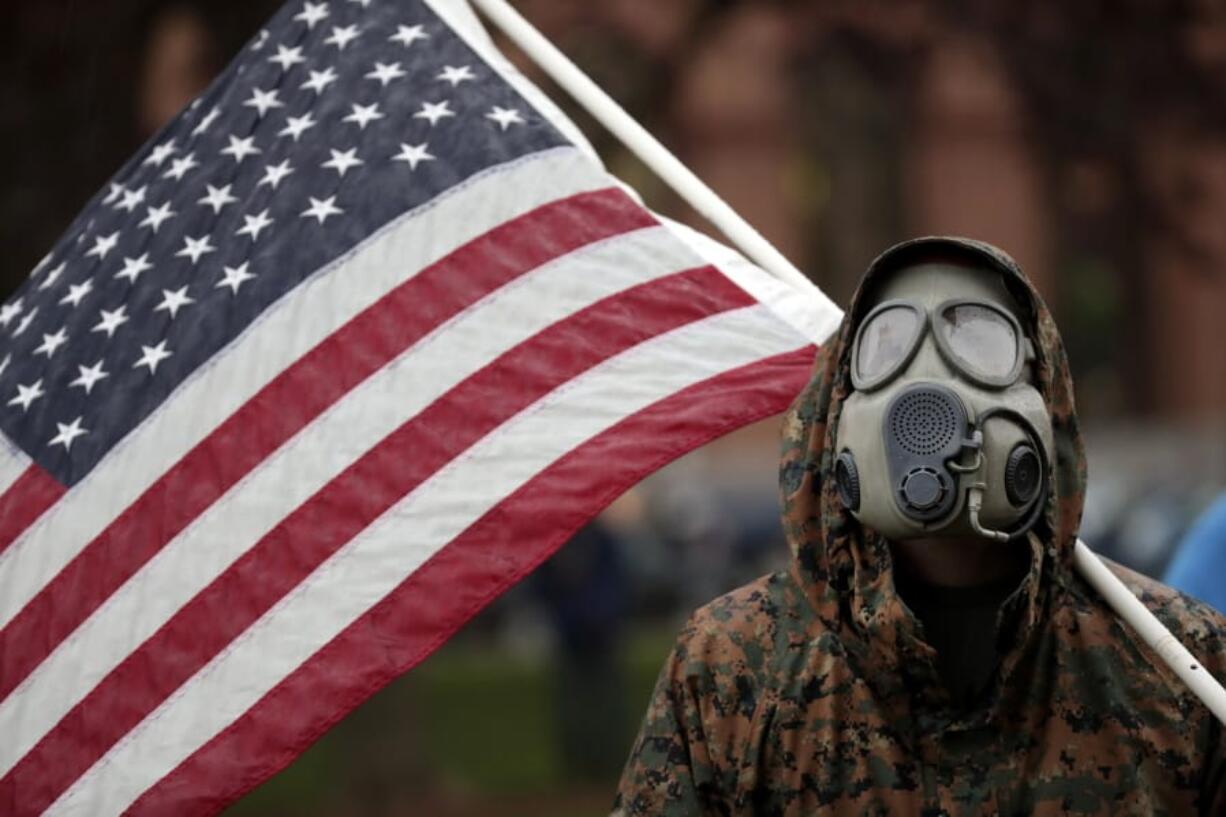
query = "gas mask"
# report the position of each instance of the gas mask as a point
(945, 433)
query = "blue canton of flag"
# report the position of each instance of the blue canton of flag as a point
(343, 116)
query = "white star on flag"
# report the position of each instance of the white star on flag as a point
(193, 248)
(156, 215)
(133, 267)
(413, 154)
(264, 101)
(341, 37)
(241, 148)
(322, 208)
(217, 197)
(296, 125)
(160, 154)
(455, 75)
(103, 244)
(206, 122)
(341, 161)
(180, 166)
(151, 356)
(254, 225)
(287, 57)
(320, 79)
(273, 174)
(25, 322)
(364, 114)
(312, 13)
(111, 319)
(27, 394)
(52, 342)
(68, 433)
(235, 277)
(116, 191)
(505, 117)
(386, 73)
(77, 291)
(407, 35)
(173, 300)
(89, 376)
(9, 311)
(131, 198)
(434, 111)
(52, 274)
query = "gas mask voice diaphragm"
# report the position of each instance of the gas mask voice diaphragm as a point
(944, 432)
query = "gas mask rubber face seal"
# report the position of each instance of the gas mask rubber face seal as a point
(944, 431)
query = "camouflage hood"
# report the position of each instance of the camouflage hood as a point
(845, 570)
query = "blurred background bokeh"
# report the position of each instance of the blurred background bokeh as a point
(1088, 139)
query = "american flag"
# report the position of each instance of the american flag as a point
(348, 348)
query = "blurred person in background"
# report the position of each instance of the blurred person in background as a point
(931, 650)
(1199, 567)
(583, 590)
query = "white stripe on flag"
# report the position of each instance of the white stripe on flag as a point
(314, 456)
(809, 311)
(287, 330)
(13, 463)
(379, 558)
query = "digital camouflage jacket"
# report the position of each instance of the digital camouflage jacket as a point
(812, 691)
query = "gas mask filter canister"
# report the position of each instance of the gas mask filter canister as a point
(944, 432)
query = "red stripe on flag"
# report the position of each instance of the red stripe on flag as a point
(498, 550)
(28, 498)
(295, 398)
(344, 507)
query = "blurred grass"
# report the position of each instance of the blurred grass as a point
(470, 731)
(473, 702)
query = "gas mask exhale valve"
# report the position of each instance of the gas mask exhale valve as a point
(944, 432)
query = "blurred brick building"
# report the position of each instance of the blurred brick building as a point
(838, 128)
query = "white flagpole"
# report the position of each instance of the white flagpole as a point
(703, 199)
(667, 166)
(1152, 631)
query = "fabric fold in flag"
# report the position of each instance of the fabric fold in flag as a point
(352, 345)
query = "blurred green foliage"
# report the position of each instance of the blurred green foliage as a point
(470, 731)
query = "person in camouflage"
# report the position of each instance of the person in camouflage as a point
(818, 691)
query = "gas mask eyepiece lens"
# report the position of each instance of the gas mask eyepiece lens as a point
(886, 342)
(978, 339)
(981, 341)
